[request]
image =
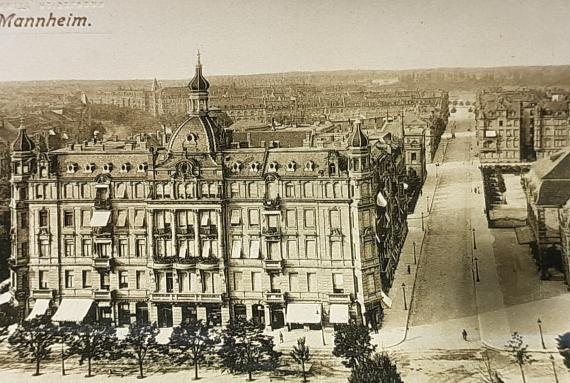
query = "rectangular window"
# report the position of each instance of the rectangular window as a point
(289, 190)
(366, 218)
(86, 248)
(123, 280)
(255, 281)
(68, 279)
(86, 278)
(68, 218)
(238, 280)
(336, 250)
(207, 282)
(234, 190)
(123, 247)
(140, 279)
(140, 248)
(43, 279)
(86, 218)
(311, 248)
(335, 219)
(69, 248)
(293, 282)
(44, 248)
(338, 283)
(235, 219)
(252, 188)
(309, 216)
(311, 282)
(253, 218)
(291, 217)
(254, 248)
(139, 218)
(122, 218)
(308, 189)
(292, 252)
(236, 248)
(169, 282)
(371, 284)
(273, 250)
(43, 218)
(414, 157)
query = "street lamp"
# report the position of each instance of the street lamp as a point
(404, 291)
(474, 240)
(477, 269)
(415, 260)
(423, 221)
(539, 322)
(427, 205)
(554, 368)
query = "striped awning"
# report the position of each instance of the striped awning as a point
(72, 310)
(40, 308)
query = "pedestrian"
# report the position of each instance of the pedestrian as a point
(409, 270)
(280, 337)
(464, 333)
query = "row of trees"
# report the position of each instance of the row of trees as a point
(241, 347)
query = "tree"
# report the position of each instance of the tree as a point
(564, 348)
(352, 342)
(140, 344)
(376, 369)
(301, 354)
(92, 343)
(32, 340)
(246, 349)
(519, 352)
(192, 342)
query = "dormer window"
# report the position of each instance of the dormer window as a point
(255, 166)
(143, 167)
(273, 166)
(72, 168)
(107, 168)
(125, 168)
(236, 167)
(291, 166)
(309, 166)
(90, 168)
(191, 138)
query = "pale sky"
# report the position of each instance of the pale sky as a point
(144, 39)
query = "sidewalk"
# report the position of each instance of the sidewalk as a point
(396, 318)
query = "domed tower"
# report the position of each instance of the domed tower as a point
(22, 161)
(358, 151)
(198, 91)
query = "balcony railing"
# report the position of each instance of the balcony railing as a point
(339, 298)
(163, 232)
(42, 293)
(15, 263)
(104, 231)
(274, 297)
(186, 297)
(271, 233)
(102, 262)
(210, 231)
(102, 203)
(186, 231)
(272, 203)
(104, 295)
(273, 264)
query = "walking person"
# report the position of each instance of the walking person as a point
(464, 333)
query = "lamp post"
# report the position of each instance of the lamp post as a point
(415, 260)
(423, 221)
(477, 269)
(322, 327)
(404, 291)
(539, 322)
(554, 369)
(427, 205)
(474, 240)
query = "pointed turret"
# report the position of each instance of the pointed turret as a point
(23, 143)
(155, 85)
(199, 83)
(198, 91)
(358, 139)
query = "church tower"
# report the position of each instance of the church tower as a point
(198, 92)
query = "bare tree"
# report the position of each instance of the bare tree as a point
(487, 374)
(519, 352)
(301, 354)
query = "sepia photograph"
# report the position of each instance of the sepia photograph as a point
(317, 191)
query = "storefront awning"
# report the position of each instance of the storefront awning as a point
(386, 299)
(72, 310)
(100, 218)
(338, 314)
(40, 308)
(5, 298)
(380, 200)
(304, 313)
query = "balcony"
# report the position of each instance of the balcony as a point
(163, 232)
(102, 232)
(104, 295)
(103, 263)
(102, 204)
(186, 297)
(339, 298)
(210, 231)
(186, 232)
(273, 265)
(42, 293)
(274, 297)
(272, 203)
(162, 263)
(15, 263)
(272, 233)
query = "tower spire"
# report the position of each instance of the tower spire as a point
(199, 63)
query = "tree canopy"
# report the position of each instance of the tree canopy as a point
(377, 369)
(352, 342)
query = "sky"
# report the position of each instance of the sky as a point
(143, 39)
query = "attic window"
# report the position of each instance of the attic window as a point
(309, 166)
(291, 166)
(107, 168)
(236, 167)
(255, 166)
(191, 138)
(89, 168)
(125, 168)
(273, 166)
(143, 167)
(72, 168)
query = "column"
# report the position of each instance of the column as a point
(267, 317)
(176, 315)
